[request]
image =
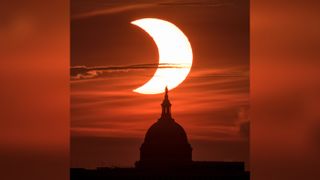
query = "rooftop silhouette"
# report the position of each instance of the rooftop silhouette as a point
(167, 154)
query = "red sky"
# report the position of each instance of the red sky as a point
(108, 120)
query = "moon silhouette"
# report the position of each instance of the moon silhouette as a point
(174, 50)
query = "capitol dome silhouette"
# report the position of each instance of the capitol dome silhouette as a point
(166, 144)
(167, 154)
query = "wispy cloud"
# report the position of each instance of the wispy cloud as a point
(84, 72)
(215, 3)
(112, 8)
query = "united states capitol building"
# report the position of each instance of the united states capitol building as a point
(167, 154)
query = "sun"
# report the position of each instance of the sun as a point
(175, 55)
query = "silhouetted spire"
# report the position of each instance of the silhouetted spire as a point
(166, 106)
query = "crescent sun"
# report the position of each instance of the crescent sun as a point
(175, 55)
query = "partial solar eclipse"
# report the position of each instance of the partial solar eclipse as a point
(174, 50)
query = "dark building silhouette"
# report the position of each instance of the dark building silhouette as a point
(166, 144)
(167, 154)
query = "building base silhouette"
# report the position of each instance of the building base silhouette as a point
(216, 170)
